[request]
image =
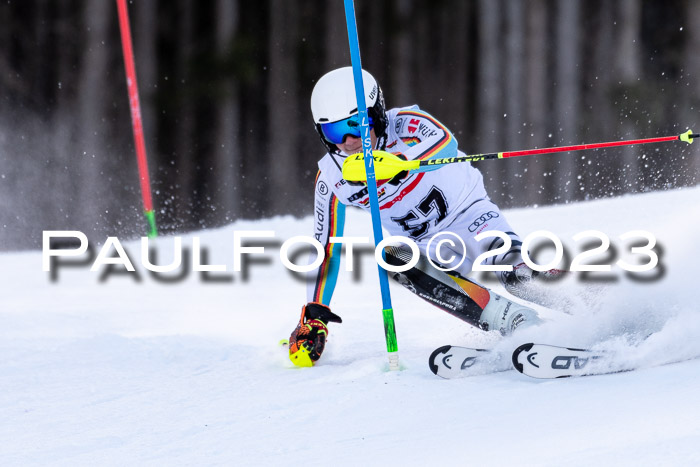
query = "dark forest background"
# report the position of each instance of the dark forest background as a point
(225, 88)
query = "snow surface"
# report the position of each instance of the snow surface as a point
(123, 372)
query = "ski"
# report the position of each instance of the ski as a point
(540, 361)
(551, 361)
(450, 361)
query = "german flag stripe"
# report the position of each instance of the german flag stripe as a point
(439, 145)
(328, 271)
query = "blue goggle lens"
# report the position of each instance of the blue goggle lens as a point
(335, 132)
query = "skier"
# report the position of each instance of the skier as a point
(414, 205)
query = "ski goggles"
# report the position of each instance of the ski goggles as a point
(336, 132)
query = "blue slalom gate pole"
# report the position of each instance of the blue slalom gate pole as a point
(387, 310)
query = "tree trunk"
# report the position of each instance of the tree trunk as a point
(227, 153)
(536, 85)
(400, 72)
(65, 193)
(337, 53)
(692, 91)
(628, 70)
(185, 157)
(601, 115)
(488, 98)
(145, 16)
(515, 54)
(513, 117)
(455, 57)
(567, 93)
(601, 178)
(90, 127)
(282, 103)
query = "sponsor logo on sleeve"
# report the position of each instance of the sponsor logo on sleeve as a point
(481, 220)
(359, 195)
(426, 131)
(320, 223)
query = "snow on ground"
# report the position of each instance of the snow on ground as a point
(127, 372)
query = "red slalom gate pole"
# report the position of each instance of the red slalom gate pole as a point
(137, 126)
(580, 147)
(387, 165)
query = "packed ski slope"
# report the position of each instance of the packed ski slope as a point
(127, 372)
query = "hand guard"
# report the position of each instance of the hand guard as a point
(308, 340)
(395, 180)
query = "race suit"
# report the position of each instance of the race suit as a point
(419, 205)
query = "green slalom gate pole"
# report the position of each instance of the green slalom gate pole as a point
(387, 310)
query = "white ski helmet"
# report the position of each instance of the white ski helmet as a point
(333, 100)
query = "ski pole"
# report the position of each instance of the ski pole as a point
(368, 174)
(387, 165)
(137, 126)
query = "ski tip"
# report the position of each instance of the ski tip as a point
(516, 353)
(431, 361)
(284, 342)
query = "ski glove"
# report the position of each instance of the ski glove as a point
(308, 340)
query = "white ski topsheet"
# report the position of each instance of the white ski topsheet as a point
(125, 373)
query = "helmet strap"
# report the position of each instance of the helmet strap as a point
(381, 142)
